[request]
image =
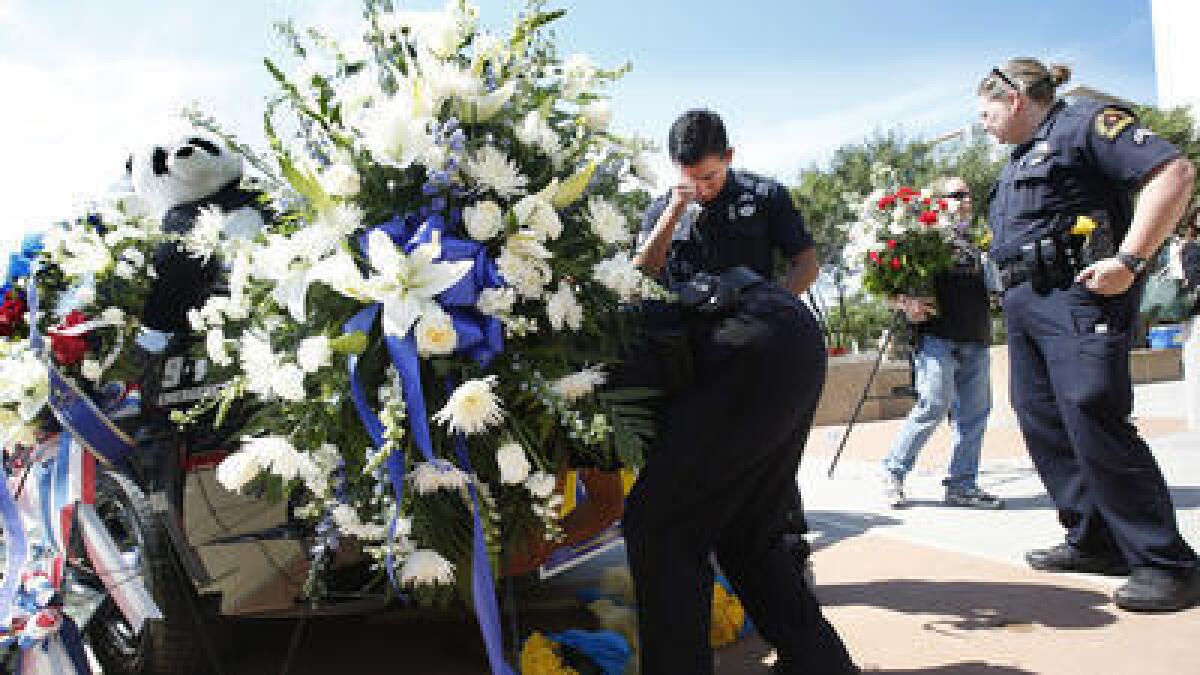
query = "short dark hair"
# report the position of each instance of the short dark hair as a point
(696, 134)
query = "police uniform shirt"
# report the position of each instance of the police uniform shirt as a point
(1085, 158)
(750, 219)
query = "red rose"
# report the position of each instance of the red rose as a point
(927, 201)
(886, 202)
(891, 243)
(69, 349)
(895, 263)
(942, 206)
(874, 256)
(12, 313)
(927, 217)
(907, 192)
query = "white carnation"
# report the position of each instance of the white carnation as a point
(435, 334)
(91, 370)
(472, 408)
(577, 385)
(496, 301)
(563, 309)
(620, 275)
(596, 115)
(514, 466)
(492, 169)
(426, 568)
(313, 353)
(540, 485)
(483, 220)
(238, 469)
(607, 221)
(287, 381)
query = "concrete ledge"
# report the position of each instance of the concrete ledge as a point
(848, 375)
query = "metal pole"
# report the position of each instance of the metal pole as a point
(884, 342)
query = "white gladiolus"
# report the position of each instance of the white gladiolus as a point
(484, 220)
(540, 484)
(428, 478)
(563, 309)
(426, 568)
(577, 385)
(341, 180)
(472, 408)
(537, 214)
(215, 346)
(313, 353)
(514, 466)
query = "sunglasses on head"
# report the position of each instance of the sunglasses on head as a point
(959, 194)
(1006, 79)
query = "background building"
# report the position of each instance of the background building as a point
(1177, 51)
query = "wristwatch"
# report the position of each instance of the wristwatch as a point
(1132, 262)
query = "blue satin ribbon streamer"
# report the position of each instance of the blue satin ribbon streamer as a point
(480, 337)
(80, 417)
(16, 548)
(73, 645)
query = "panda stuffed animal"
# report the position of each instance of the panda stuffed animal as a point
(177, 181)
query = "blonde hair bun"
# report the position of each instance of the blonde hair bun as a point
(1060, 74)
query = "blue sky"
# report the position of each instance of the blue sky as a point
(87, 81)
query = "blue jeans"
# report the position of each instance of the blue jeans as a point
(952, 378)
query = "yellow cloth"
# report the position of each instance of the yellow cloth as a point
(570, 488)
(728, 617)
(538, 657)
(1084, 226)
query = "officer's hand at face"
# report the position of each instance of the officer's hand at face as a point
(1106, 277)
(681, 195)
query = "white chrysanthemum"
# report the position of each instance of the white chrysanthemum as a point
(483, 220)
(435, 334)
(24, 382)
(91, 370)
(596, 115)
(313, 353)
(287, 382)
(620, 275)
(112, 316)
(214, 344)
(84, 255)
(563, 309)
(428, 478)
(523, 265)
(472, 408)
(341, 180)
(578, 75)
(577, 385)
(536, 213)
(540, 484)
(492, 169)
(238, 469)
(125, 270)
(279, 456)
(134, 256)
(514, 466)
(607, 221)
(347, 520)
(496, 301)
(426, 568)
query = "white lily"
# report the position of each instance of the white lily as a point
(406, 285)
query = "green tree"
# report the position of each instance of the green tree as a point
(1177, 125)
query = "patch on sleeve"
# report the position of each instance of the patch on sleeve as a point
(1110, 122)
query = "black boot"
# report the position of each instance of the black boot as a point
(1067, 558)
(1153, 589)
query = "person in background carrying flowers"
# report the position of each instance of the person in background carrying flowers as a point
(952, 368)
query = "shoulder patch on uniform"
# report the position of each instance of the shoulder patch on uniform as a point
(1110, 122)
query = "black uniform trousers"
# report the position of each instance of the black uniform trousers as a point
(721, 478)
(1071, 389)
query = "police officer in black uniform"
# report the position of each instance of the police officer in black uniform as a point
(722, 475)
(1072, 250)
